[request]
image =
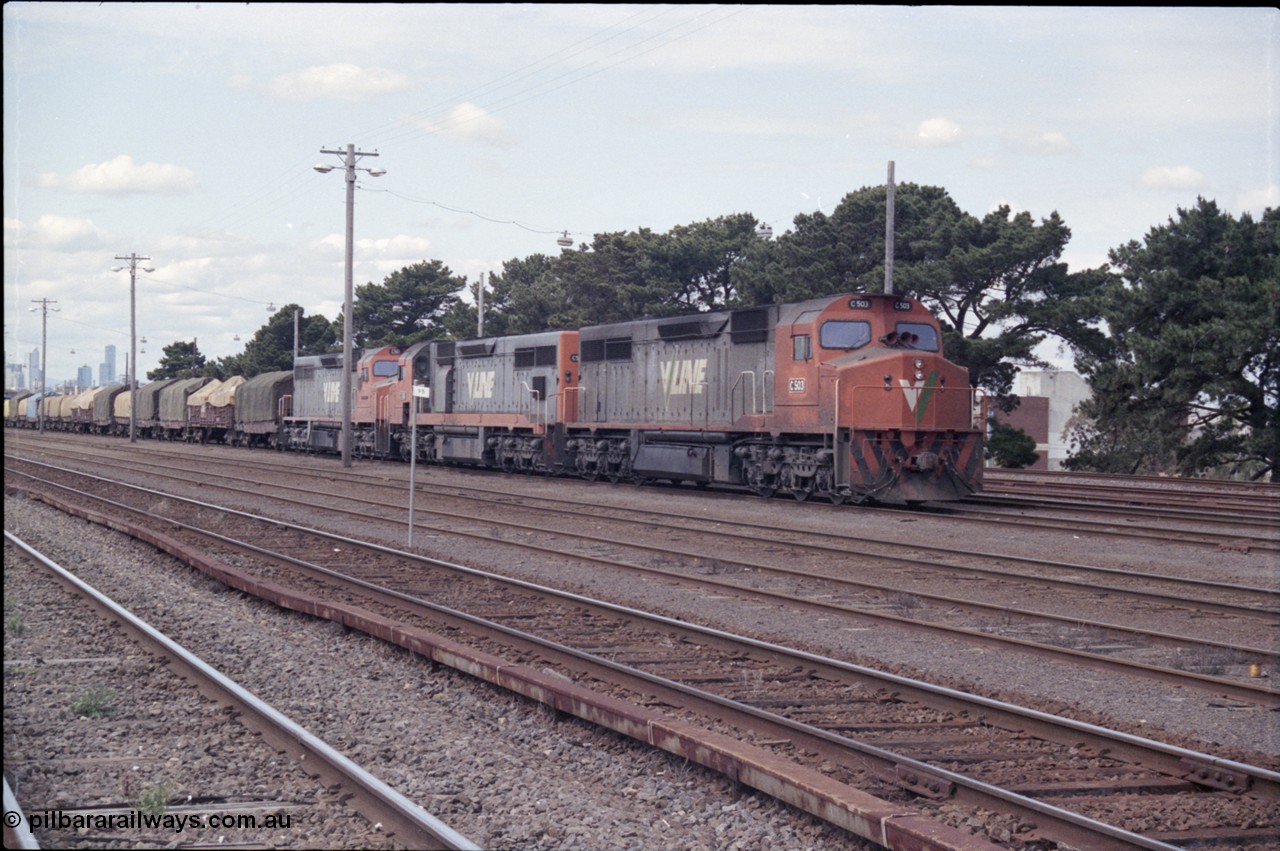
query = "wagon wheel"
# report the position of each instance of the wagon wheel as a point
(836, 498)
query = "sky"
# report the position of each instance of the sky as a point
(188, 133)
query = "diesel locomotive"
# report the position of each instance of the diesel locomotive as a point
(845, 397)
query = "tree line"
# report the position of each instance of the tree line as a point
(1177, 335)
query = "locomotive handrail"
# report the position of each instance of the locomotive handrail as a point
(837, 464)
(766, 390)
(869, 420)
(733, 391)
(538, 428)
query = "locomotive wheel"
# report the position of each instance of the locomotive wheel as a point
(836, 498)
(801, 494)
(766, 491)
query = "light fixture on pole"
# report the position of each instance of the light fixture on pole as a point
(349, 156)
(44, 353)
(133, 260)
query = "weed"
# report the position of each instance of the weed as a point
(96, 702)
(154, 800)
(14, 625)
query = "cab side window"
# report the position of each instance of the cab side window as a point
(802, 348)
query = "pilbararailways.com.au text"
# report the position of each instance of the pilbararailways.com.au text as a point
(137, 820)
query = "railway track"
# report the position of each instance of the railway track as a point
(1014, 501)
(397, 817)
(801, 688)
(1155, 490)
(1226, 615)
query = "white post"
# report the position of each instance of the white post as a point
(419, 392)
(413, 461)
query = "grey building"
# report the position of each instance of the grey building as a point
(107, 369)
(33, 370)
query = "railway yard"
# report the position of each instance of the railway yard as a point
(1059, 662)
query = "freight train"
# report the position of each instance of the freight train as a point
(845, 398)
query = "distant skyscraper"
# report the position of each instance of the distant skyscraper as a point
(107, 371)
(33, 370)
(84, 377)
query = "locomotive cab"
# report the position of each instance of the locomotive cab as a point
(376, 402)
(904, 423)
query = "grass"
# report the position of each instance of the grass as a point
(154, 800)
(96, 702)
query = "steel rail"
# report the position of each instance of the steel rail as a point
(1270, 594)
(1115, 741)
(1241, 690)
(14, 818)
(1051, 821)
(376, 800)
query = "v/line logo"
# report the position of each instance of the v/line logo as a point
(682, 377)
(919, 393)
(480, 385)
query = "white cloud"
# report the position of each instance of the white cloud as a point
(50, 231)
(1171, 177)
(402, 248)
(344, 82)
(1038, 143)
(122, 176)
(936, 133)
(1258, 200)
(466, 122)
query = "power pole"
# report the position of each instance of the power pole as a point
(888, 232)
(349, 163)
(133, 260)
(44, 354)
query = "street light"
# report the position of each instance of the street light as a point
(349, 164)
(133, 336)
(44, 353)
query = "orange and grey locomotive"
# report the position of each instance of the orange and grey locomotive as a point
(845, 398)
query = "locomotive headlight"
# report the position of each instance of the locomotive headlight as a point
(919, 375)
(919, 364)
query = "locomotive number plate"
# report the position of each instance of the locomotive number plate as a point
(796, 385)
(860, 303)
(902, 305)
